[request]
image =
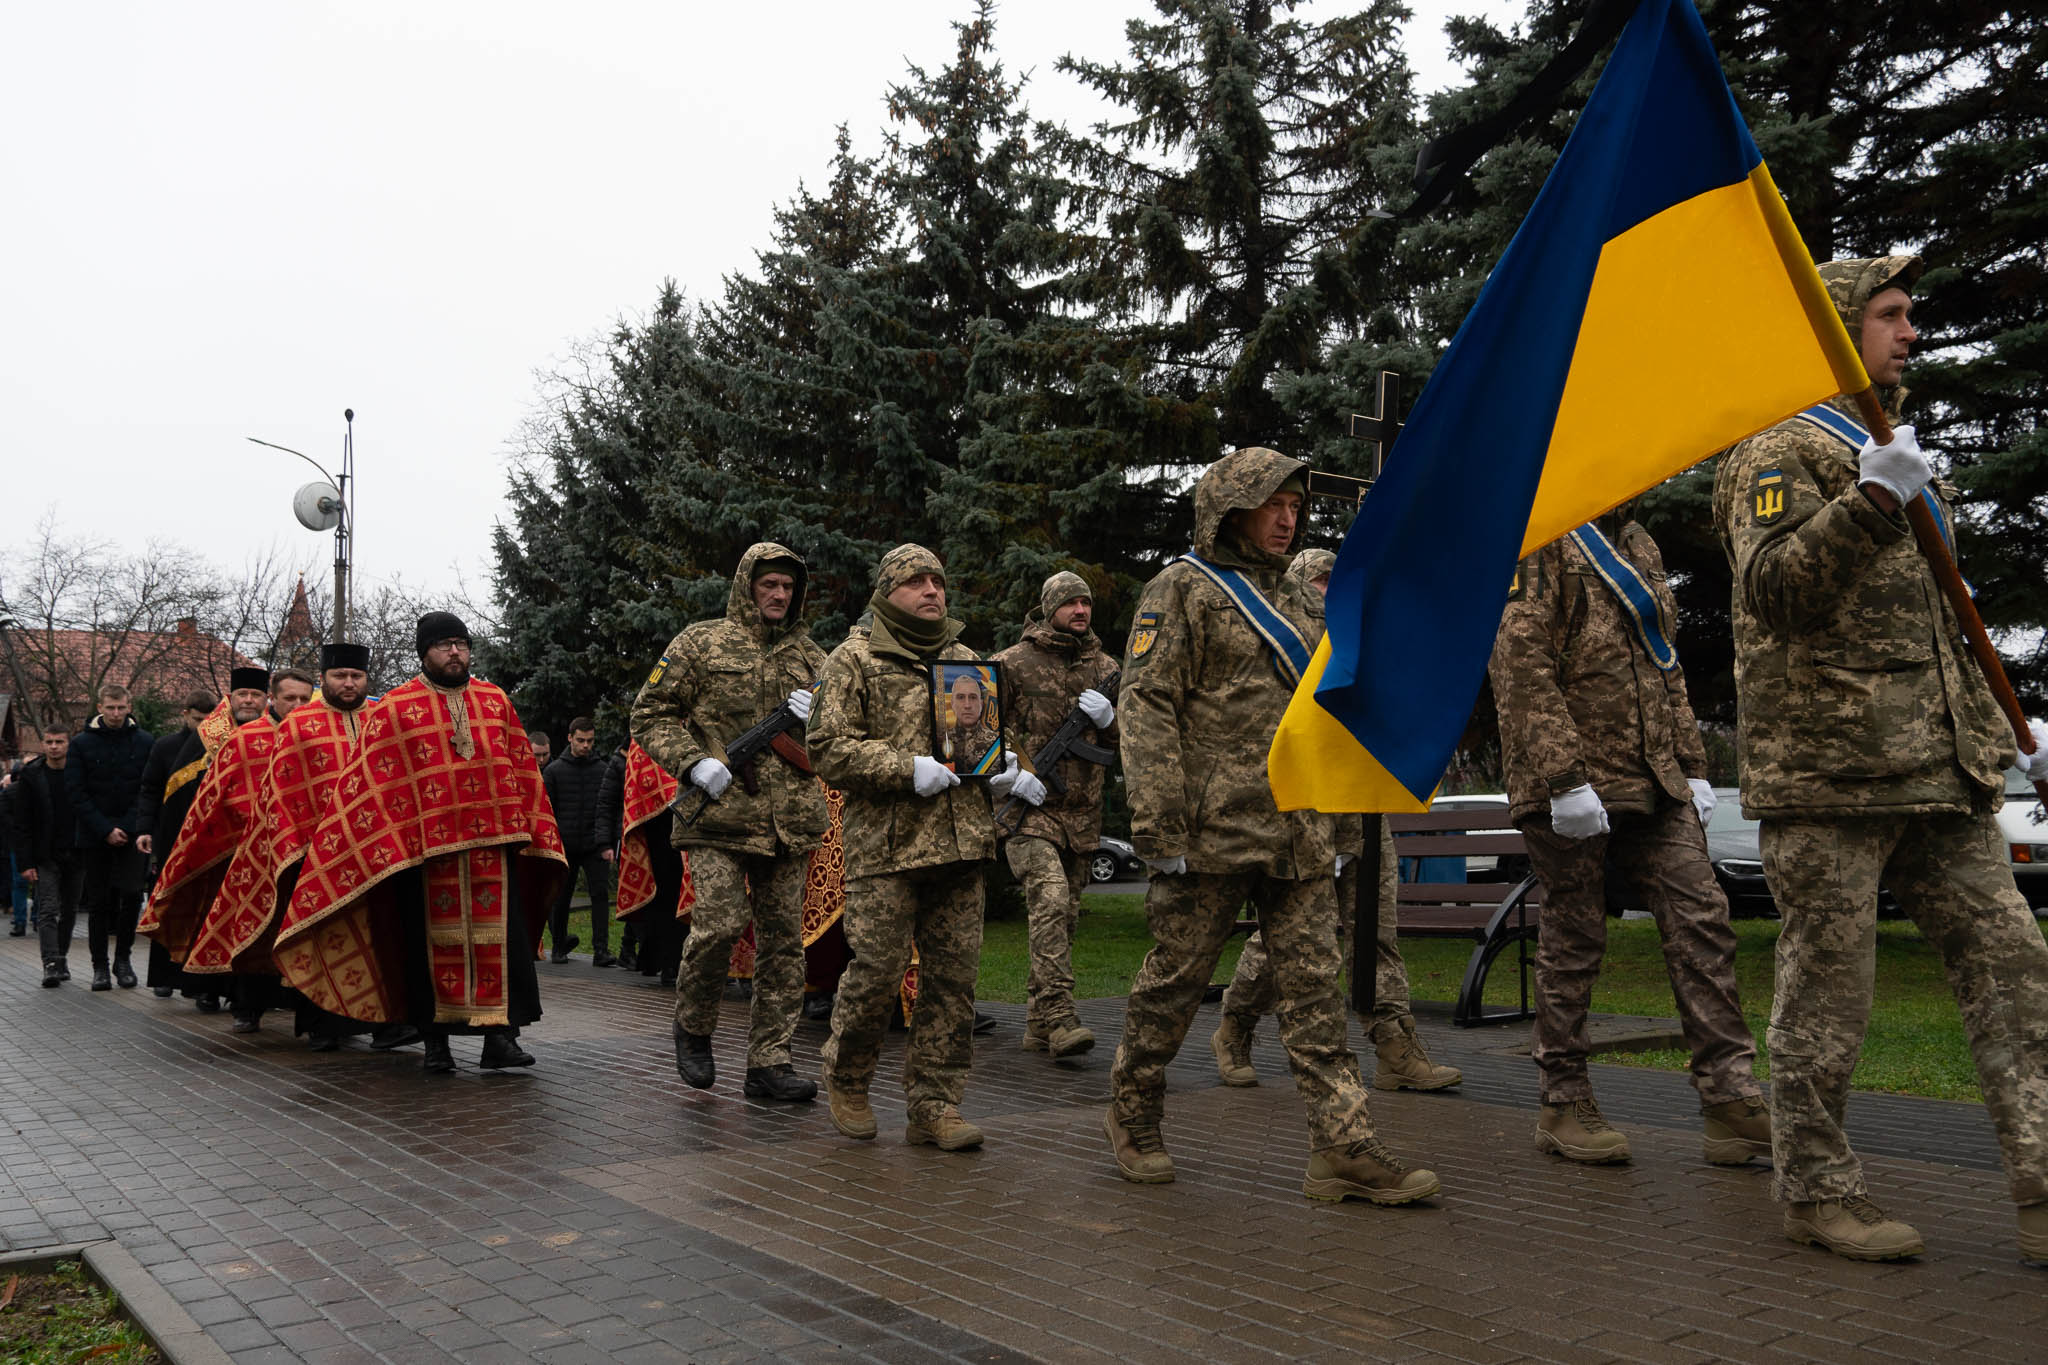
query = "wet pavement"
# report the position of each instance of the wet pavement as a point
(344, 1207)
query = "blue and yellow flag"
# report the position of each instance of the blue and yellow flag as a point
(1655, 306)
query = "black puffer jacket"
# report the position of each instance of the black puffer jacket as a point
(104, 777)
(44, 826)
(572, 785)
(611, 800)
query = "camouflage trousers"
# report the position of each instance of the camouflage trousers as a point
(733, 888)
(1951, 875)
(1052, 878)
(1253, 992)
(1191, 916)
(1662, 858)
(939, 909)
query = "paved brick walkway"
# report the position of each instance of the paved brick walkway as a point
(345, 1208)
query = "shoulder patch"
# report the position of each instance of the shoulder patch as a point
(1767, 496)
(1528, 579)
(660, 667)
(1144, 633)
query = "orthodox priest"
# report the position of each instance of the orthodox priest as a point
(425, 885)
(221, 818)
(169, 782)
(313, 745)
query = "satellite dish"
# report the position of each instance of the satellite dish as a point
(317, 506)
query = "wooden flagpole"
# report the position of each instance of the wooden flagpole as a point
(1921, 518)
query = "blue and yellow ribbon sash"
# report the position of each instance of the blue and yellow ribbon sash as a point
(1853, 434)
(1290, 651)
(1639, 602)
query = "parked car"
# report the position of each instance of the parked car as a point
(1738, 861)
(1115, 860)
(2024, 830)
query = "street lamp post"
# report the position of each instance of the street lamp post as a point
(333, 506)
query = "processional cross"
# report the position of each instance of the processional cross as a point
(1381, 429)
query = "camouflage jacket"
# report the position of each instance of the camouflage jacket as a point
(1042, 674)
(1580, 699)
(1201, 699)
(1856, 691)
(713, 683)
(874, 715)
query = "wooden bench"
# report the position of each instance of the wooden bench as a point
(1496, 915)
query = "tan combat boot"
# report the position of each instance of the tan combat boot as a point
(943, 1128)
(1737, 1130)
(850, 1113)
(1576, 1130)
(1404, 1063)
(1068, 1038)
(1232, 1044)
(1035, 1034)
(1366, 1170)
(1852, 1227)
(2034, 1234)
(1141, 1155)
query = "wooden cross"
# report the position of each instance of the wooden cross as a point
(1381, 429)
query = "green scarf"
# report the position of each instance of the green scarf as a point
(908, 633)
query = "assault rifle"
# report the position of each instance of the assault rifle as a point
(771, 732)
(1066, 742)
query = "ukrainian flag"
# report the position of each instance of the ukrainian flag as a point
(1655, 306)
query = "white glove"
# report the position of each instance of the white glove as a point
(800, 703)
(1168, 867)
(1097, 708)
(1344, 860)
(1028, 789)
(2035, 764)
(930, 777)
(1899, 468)
(1578, 814)
(1703, 798)
(714, 777)
(1000, 783)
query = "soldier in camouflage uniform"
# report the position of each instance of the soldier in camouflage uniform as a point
(750, 849)
(1604, 762)
(1404, 1064)
(916, 840)
(1872, 752)
(1058, 665)
(1202, 695)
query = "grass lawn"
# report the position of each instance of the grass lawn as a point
(63, 1315)
(1915, 1045)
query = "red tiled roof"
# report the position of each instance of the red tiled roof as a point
(74, 663)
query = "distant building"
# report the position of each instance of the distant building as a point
(54, 676)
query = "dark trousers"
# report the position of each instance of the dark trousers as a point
(113, 899)
(17, 890)
(597, 877)
(58, 885)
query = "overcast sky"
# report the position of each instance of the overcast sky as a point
(236, 220)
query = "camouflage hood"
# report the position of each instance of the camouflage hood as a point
(1240, 481)
(1310, 565)
(1851, 284)
(739, 604)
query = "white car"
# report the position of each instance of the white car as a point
(2024, 831)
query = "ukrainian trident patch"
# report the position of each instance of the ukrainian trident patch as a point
(660, 667)
(1767, 499)
(1144, 633)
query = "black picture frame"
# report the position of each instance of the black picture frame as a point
(972, 750)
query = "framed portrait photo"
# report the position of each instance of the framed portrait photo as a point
(967, 716)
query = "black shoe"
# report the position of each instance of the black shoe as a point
(388, 1036)
(160, 992)
(983, 1024)
(668, 980)
(100, 980)
(124, 974)
(18, 931)
(324, 1042)
(629, 961)
(207, 1003)
(602, 958)
(818, 1008)
(502, 1050)
(693, 1058)
(562, 949)
(64, 970)
(779, 1083)
(246, 1023)
(53, 975)
(438, 1059)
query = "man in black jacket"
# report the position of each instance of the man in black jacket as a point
(46, 837)
(573, 780)
(104, 777)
